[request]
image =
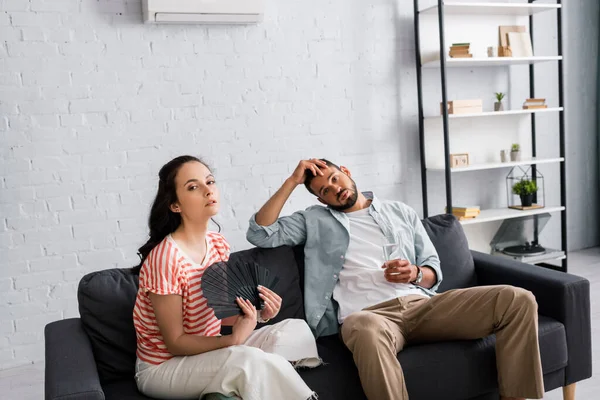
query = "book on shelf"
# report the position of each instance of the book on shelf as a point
(532, 104)
(460, 50)
(465, 212)
(534, 107)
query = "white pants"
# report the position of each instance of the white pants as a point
(258, 370)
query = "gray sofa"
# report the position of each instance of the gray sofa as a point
(92, 357)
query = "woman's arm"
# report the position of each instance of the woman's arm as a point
(170, 322)
(229, 321)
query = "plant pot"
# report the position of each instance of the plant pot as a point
(515, 156)
(499, 106)
(527, 200)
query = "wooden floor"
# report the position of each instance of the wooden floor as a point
(27, 383)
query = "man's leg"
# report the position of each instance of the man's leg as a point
(375, 341)
(509, 312)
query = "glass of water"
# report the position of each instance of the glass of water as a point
(391, 248)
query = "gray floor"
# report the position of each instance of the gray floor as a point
(27, 383)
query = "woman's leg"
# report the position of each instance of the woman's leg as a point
(238, 370)
(291, 338)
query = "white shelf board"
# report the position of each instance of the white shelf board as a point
(501, 113)
(488, 8)
(490, 61)
(496, 165)
(500, 214)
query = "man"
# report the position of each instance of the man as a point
(382, 305)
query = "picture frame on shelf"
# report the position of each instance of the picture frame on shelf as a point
(459, 160)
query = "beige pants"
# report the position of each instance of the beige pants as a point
(376, 334)
(258, 370)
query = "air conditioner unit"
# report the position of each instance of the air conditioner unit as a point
(203, 11)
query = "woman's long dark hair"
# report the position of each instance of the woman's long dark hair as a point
(162, 221)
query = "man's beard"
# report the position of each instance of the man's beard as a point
(350, 201)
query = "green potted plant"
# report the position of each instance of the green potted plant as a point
(515, 152)
(498, 105)
(525, 189)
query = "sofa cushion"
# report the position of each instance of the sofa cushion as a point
(337, 378)
(469, 367)
(106, 299)
(462, 369)
(450, 241)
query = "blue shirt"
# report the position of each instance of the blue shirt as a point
(324, 232)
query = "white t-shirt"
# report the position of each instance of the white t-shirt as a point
(362, 282)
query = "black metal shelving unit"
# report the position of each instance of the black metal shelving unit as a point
(446, 125)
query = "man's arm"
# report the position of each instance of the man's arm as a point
(402, 271)
(269, 213)
(266, 228)
(427, 256)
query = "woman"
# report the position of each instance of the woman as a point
(180, 351)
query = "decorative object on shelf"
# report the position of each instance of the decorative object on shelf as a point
(492, 51)
(463, 213)
(515, 152)
(459, 160)
(520, 44)
(463, 106)
(498, 106)
(534, 104)
(518, 239)
(460, 50)
(504, 49)
(504, 155)
(524, 190)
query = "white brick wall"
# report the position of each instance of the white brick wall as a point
(93, 102)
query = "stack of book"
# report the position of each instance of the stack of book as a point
(462, 213)
(533, 104)
(460, 50)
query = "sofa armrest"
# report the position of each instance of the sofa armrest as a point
(71, 372)
(559, 295)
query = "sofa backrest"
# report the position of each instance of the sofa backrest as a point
(106, 300)
(449, 239)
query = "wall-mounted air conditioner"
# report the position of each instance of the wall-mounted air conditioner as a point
(203, 11)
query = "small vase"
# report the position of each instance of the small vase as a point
(499, 106)
(515, 156)
(527, 200)
(503, 156)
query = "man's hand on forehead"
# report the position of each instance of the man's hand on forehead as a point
(314, 166)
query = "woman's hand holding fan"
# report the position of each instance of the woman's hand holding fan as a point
(245, 323)
(271, 301)
(224, 282)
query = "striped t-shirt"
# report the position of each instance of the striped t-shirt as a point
(167, 270)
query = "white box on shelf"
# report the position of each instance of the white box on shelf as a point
(203, 11)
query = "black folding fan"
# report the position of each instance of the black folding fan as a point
(223, 282)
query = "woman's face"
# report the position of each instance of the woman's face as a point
(197, 193)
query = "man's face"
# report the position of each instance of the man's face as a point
(335, 188)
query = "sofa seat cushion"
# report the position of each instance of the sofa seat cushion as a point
(338, 377)
(125, 389)
(469, 367)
